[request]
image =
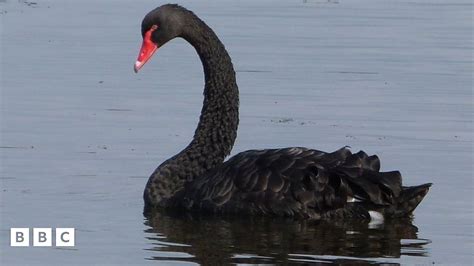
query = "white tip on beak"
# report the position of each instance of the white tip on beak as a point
(137, 66)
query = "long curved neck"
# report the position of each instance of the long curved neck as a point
(217, 128)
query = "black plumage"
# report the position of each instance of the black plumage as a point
(296, 182)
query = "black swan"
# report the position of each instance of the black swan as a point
(291, 182)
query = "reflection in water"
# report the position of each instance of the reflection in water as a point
(213, 240)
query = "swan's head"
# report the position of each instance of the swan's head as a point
(158, 27)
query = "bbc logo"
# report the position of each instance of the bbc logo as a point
(42, 237)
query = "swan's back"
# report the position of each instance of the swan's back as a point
(303, 183)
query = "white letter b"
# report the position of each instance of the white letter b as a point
(19, 237)
(42, 237)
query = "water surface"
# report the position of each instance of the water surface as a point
(80, 132)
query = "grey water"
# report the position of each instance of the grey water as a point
(81, 133)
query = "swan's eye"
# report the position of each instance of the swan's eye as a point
(153, 31)
(150, 32)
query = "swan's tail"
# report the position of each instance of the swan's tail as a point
(380, 191)
(409, 199)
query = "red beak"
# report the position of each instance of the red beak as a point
(147, 50)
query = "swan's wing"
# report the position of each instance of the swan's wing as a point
(294, 182)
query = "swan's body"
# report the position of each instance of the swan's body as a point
(296, 182)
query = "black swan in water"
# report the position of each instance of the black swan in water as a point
(291, 182)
